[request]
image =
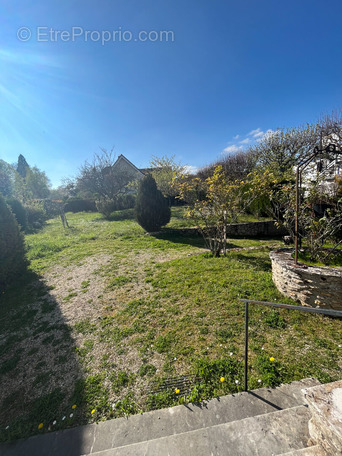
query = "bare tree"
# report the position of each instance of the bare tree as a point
(234, 166)
(330, 126)
(281, 150)
(101, 179)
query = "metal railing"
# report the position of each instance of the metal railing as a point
(331, 313)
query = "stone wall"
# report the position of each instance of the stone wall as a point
(252, 229)
(311, 286)
(267, 229)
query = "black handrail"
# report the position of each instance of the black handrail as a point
(332, 313)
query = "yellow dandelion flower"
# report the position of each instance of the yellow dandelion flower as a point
(93, 411)
(272, 359)
(222, 379)
(40, 426)
(74, 406)
(177, 391)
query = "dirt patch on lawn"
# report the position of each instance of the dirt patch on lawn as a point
(83, 291)
(78, 289)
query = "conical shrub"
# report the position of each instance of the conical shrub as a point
(151, 209)
(12, 249)
(19, 212)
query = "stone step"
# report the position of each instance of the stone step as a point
(180, 419)
(161, 423)
(315, 450)
(263, 435)
(325, 406)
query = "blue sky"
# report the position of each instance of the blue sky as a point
(232, 71)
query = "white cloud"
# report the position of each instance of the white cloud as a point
(232, 149)
(254, 136)
(268, 134)
(271, 132)
(191, 169)
(259, 134)
(256, 133)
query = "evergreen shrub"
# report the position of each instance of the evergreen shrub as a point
(12, 248)
(151, 208)
(19, 212)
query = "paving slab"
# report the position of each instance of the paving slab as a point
(263, 435)
(160, 423)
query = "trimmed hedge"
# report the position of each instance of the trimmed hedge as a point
(80, 205)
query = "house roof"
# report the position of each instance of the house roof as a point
(124, 159)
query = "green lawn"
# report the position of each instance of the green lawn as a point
(108, 316)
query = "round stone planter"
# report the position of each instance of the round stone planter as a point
(310, 285)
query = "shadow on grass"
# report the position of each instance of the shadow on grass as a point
(230, 245)
(190, 237)
(39, 368)
(258, 238)
(263, 264)
(119, 216)
(181, 237)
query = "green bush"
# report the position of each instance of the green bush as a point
(36, 215)
(125, 201)
(260, 207)
(106, 207)
(19, 212)
(151, 209)
(121, 202)
(12, 250)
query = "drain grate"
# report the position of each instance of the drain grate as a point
(183, 382)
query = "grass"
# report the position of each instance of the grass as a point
(108, 319)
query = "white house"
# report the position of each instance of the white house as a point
(125, 167)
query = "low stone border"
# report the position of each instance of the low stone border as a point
(249, 229)
(267, 229)
(311, 286)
